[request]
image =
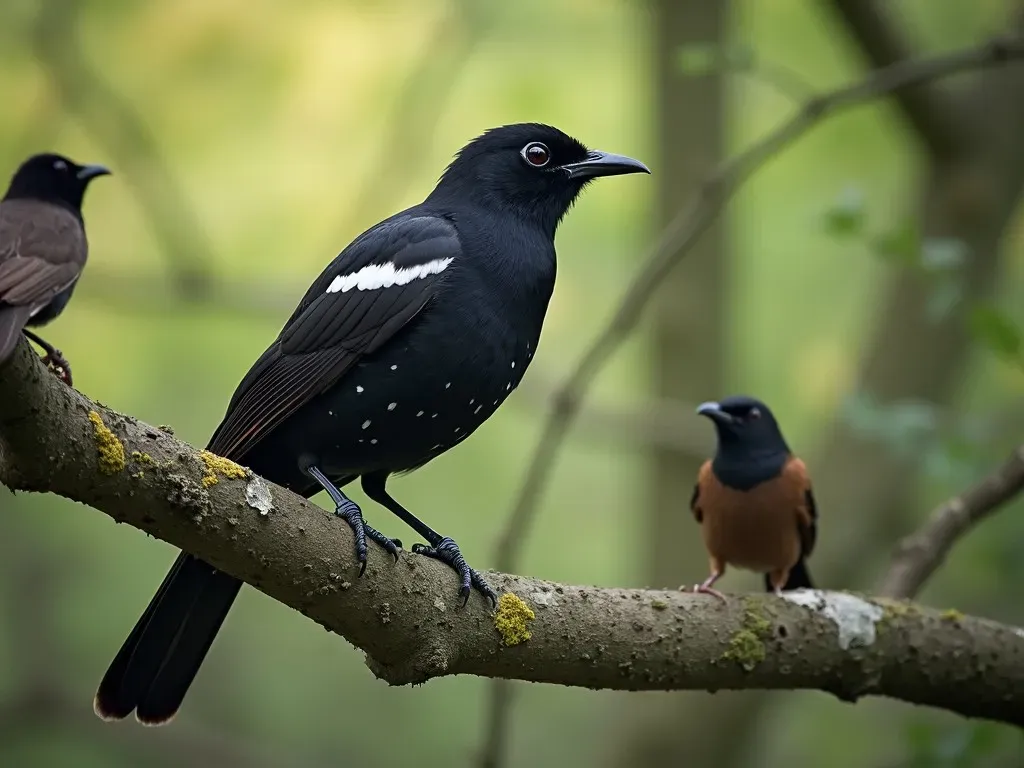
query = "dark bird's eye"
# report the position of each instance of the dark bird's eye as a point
(536, 154)
(60, 165)
(754, 413)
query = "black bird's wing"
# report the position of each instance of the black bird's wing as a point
(367, 294)
(383, 279)
(42, 252)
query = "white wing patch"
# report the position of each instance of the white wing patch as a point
(374, 276)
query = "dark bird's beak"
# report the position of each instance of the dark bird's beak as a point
(87, 172)
(604, 164)
(714, 412)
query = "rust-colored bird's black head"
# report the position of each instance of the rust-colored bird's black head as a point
(54, 179)
(751, 448)
(533, 169)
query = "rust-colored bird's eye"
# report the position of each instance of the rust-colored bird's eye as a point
(536, 154)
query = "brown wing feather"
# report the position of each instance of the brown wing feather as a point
(702, 477)
(795, 472)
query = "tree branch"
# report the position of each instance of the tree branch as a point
(920, 554)
(934, 117)
(404, 615)
(685, 229)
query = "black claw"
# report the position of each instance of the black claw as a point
(447, 551)
(349, 511)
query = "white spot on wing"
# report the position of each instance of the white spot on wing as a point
(855, 619)
(375, 276)
(394, 367)
(478, 409)
(391, 406)
(359, 389)
(373, 441)
(366, 424)
(419, 413)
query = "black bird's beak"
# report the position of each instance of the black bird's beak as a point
(714, 412)
(604, 164)
(87, 172)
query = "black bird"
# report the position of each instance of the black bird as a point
(43, 248)
(408, 341)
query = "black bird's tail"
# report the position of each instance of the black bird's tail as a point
(12, 320)
(799, 578)
(158, 662)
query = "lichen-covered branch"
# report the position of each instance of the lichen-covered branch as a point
(405, 615)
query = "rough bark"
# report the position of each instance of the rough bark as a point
(404, 615)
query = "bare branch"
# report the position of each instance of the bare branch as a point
(685, 229)
(405, 617)
(920, 554)
(934, 117)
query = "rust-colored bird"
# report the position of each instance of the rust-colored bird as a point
(753, 500)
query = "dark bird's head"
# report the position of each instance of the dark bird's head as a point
(53, 179)
(530, 169)
(751, 448)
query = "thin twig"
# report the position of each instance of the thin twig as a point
(919, 555)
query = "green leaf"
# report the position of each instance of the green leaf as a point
(901, 244)
(999, 333)
(845, 218)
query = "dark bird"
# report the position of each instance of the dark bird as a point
(753, 500)
(43, 248)
(405, 344)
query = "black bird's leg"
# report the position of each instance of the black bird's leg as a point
(54, 358)
(441, 547)
(349, 511)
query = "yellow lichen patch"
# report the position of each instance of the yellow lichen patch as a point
(746, 646)
(512, 619)
(215, 464)
(141, 458)
(951, 614)
(109, 448)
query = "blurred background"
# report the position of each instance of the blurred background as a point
(866, 283)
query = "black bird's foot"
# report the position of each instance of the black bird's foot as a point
(447, 551)
(53, 359)
(349, 511)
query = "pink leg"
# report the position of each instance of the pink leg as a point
(705, 586)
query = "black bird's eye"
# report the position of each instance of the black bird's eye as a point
(754, 413)
(536, 154)
(60, 165)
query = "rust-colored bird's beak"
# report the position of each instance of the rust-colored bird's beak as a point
(714, 412)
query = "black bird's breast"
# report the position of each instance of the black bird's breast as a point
(431, 385)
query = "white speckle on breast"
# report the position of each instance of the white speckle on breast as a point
(418, 414)
(855, 619)
(477, 410)
(359, 389)
(394, 367)
(446, 386)
(366, 424)
(433, 415)
(391, 406)
(373, 441)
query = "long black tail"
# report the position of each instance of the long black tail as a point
(799, 578)
(158, 662)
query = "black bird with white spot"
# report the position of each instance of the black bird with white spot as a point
(408, 341)
(43, 248)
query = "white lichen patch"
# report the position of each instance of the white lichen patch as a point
(543, 598)
(855, 619)
(257, 495)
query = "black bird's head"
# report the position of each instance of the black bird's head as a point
(531, 169)
(53, 179)
(751, 448)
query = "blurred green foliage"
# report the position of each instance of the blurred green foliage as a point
(278, 121)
